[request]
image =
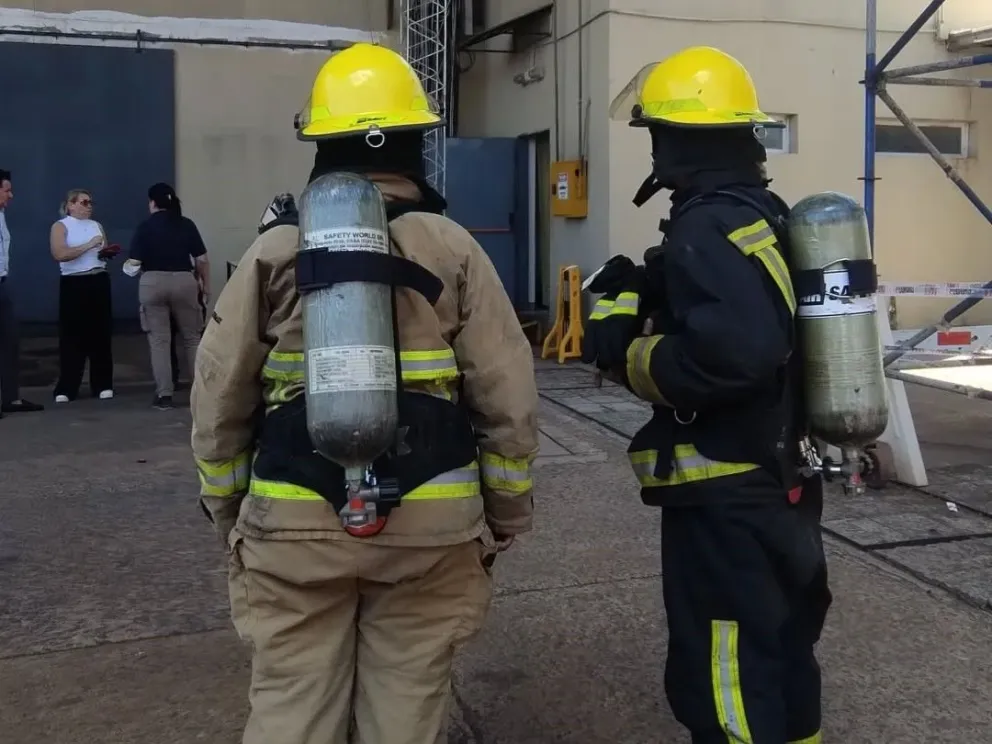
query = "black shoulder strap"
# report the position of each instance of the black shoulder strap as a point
(290, 219)
(777, 222)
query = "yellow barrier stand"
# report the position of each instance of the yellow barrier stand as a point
(565, 335)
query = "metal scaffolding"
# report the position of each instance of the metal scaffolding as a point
(426, 38)
(878, 76)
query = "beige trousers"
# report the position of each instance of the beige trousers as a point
(162, 293)
(352, 642)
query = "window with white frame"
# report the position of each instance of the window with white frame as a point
(949, 137)
(781, 140)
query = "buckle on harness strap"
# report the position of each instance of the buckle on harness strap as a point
(360, 515)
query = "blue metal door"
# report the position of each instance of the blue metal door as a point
(487, 194)
(97, 118)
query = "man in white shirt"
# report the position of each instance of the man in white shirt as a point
(10, 393)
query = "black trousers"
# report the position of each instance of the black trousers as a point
(10, 389)
(746, 594)
(85, 333)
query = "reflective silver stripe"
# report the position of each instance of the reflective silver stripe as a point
(459, 483)
(282, 366)
(499, 473)
(727, 682)
(775, 265)
(601, 309)
(643, 468)
(458, 475)
(631, 302)
(646, 467)
(224, 478)
(688, 466)
(424, 365)
(744, 242)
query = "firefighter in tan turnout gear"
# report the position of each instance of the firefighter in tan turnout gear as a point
(352, 624)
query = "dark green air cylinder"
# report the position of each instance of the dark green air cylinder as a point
(845, 380)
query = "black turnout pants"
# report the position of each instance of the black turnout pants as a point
(85, 332)
(745, 587)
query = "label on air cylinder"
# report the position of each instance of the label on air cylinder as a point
(836, 300)
(347, 239)
(348, 369)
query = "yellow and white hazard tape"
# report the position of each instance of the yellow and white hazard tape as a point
(935, 289)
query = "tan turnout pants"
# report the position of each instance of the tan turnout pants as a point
(352, 642)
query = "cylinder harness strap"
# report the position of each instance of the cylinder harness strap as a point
(812, 289)
(322, 269)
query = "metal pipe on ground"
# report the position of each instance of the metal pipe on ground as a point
(947, 387)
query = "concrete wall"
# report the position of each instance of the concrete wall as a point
(492, 104)
(806, 58)
(236, 150)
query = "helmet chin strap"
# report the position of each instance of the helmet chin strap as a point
(646, 190)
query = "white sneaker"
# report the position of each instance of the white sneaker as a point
(61, 398)
(106, 394)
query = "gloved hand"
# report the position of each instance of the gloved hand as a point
(617, 317)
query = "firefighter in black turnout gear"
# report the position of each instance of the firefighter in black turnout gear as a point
(707, 336)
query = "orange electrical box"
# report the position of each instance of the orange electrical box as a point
(569, 197)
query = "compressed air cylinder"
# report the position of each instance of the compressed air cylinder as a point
(845, 380)
(348, 339)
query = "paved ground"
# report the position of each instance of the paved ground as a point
(113, 619)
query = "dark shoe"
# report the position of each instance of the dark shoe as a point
(162, 402)
(21, 406)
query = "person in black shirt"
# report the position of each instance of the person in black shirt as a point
(163, 246)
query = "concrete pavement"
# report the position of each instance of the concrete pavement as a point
(113, 617)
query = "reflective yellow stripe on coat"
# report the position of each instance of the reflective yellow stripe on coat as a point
(435, 365)
(601, 309)
(758, 240)
(639, 369)
(507, 474)
(626, 303)
(433, 371)
(688, 466)
(461, 483)
(224, 478)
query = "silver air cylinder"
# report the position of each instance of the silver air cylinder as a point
(845, 380)
(348, 328)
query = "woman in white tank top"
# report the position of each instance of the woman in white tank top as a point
(77, 242)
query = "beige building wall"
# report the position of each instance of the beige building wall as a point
(807, 58)
(235, 142)
(236, 147)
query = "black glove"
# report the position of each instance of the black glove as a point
(617, 317)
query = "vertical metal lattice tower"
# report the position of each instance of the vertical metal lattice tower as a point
(425, 35)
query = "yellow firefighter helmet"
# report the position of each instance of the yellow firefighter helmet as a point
(697, 87)
(365, 88)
